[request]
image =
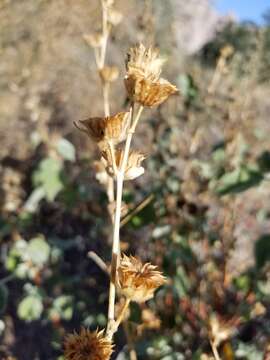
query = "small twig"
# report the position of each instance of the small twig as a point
(137, 209)
(97, 259)
(214, 349)
(122, 313)
(130, 343)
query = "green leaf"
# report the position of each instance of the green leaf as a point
(63, 307)
(239, 180)
(66, 149)
(181, 282)
(262, 250)
(39, 250)
(3, 297)
(30, 308)
(48, 176)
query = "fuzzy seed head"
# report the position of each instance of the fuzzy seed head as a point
(87, 345)
(144, 62)
(138, 281)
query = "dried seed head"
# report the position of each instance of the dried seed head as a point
(109, 73)
(114, 17)
(144, 62)
(142, 81)
(148, 93)
(133, 167)
(87, 345)
(94, 40)
(138, 281)
(111, 128)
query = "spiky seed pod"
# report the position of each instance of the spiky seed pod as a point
(144, 62)
(133, 167)
(138, 281)
(109, 73)
(148, 93)
(142, 80)
(94, 40)
(101, 130)
(87, 345)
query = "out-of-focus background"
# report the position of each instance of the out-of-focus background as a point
(207, 226)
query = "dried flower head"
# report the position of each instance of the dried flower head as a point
(87, 345)
(109, 73)
(142, 81)
(133, 167)
(138, 281)
(148, 93)
(111, 128)
(94, 40)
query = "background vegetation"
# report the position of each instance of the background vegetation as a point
(207, 224)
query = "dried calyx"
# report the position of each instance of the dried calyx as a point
(133, 167)
(106, 129)
(138, 281)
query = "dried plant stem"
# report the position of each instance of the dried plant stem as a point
(105, 32)
(105, 88)
(215, 352)
(117, 222)
(137, 209)
(97, 259)
(115, 251)
(122, 313)
(130, 343)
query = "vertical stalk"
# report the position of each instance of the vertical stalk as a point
(117, 223)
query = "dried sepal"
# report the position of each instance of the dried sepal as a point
(133, 168)
(109, 73)
(94, 40)
(102, 130)
(87, 345)
(138, 281)
(148, 93)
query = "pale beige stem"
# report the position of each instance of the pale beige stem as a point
(214, 349)
(106, 88)
(122, 314)
(97, 259)
(115, 252)
(116, 226)
(105, 32)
